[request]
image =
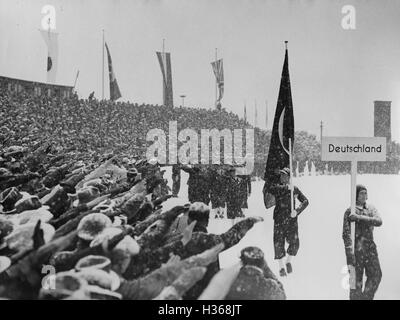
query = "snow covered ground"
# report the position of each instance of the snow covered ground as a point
(319, 266)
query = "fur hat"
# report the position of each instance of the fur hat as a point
(57, 200)
(27, 202)
(198, 211)
(100, 278)
(67, 285)
(122, 253)
(92, 225)
(86, 195)
(252, 256)
(93, 262)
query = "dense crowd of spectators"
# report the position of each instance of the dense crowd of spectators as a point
(78, 225)
(82, 211)
(93, 125)
(97, 125)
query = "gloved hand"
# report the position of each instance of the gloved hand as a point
(256, 219)
(353, 217)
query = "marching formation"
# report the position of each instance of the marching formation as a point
(220, 186)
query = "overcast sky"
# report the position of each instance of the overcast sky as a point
(336, 74)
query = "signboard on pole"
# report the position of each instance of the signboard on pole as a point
(353, 149)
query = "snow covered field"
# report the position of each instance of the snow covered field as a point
(319, 266)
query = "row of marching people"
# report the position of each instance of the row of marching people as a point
(218, 185)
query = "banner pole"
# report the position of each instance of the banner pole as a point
(353, 224)
(291, 177)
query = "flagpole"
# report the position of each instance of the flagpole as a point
(291, 177)
(76, 78)
(322, 125)
(102, 73)
(48, 49)
(291, 168)
(164, 62)
(255, 113)
(245, 113)
(216, 80)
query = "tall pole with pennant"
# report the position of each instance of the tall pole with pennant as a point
(218, 70)
(280, 153)
(50, 37)
(164, 59)
(291, 140)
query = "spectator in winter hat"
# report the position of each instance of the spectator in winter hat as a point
(86, 195)
(255, 280)
(70, 183)
(55, 175)
(27, 202)
(199, 212)
(67, 285)
(58, 201)
(92, 225)
(97, 271)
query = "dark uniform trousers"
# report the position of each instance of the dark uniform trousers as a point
(286, 230)
(286, 227)
(367, 261)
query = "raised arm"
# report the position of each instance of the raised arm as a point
(238, 231)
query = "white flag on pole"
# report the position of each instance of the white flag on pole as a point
(51, 39)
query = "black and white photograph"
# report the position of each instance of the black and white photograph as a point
(199, 150)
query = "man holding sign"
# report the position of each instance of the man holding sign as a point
(360, 218)
(364, 255)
